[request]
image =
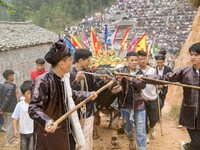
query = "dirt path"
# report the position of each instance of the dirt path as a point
(172, 135)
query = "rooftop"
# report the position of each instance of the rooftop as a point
(16, 35)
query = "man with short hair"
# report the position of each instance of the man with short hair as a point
(161, 70)
(131, 102)
(190, 108)
(80, 81)
(40, 69)
(150, 95)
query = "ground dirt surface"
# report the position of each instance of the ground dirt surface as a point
(172, 135)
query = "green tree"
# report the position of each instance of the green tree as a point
(6, 5)
(52, 14)
(58, 18)
(41, 16)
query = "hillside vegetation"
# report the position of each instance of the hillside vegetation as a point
(52, 14)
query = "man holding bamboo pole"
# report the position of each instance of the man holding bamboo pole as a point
(52, 98)
(85, 82)
(80, 81)
(131, 103)
(189, 78)
(190, 108)
(150, 95)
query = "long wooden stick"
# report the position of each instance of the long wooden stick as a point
(63, 117)
(159, 112)
(94, 74)
(160, 81)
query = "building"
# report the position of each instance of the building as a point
(21, 43)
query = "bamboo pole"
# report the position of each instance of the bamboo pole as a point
(94, 74)
(63, 117)
(160, 81)
(159, 112)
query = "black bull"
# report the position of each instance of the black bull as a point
(103, 104)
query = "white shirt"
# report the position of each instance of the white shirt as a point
(160, 71)
(132, 73)
(25, 122)
(197, 71)
(149, 92)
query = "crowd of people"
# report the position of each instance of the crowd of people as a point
(166, 22)
(52, 93)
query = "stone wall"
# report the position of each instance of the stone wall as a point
(22, 61)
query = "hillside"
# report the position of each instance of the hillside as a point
(175, 93)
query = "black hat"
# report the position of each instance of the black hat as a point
(161, 55)
(57, 52)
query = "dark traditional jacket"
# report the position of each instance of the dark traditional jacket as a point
(48, 102)
(92, 84)
(8, 98)
(131, 97)
(190, 110)
(165, 71)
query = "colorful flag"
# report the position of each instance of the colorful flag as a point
(107, 36)
(75, 42)
(71, 47)
(132, 45)
(85, 42)
(141, 43)
(114, 36)
(96, 45)
(124, 40)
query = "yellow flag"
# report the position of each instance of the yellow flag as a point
(141, 44)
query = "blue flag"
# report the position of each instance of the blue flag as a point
(107, 36)
(71, 47)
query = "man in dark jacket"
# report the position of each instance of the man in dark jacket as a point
(80, 81)
(131, 103)
(50, 100)
(161, 70)
(190, 108)
(8, 101)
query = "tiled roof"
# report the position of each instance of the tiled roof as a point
(15, 35)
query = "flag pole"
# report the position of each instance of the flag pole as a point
(159, 112)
